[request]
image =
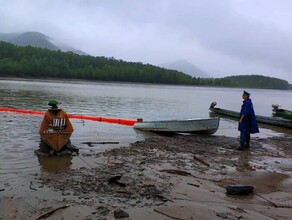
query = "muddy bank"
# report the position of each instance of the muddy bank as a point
(178, 177)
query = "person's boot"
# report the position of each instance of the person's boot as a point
(247, 146)
(241, 147)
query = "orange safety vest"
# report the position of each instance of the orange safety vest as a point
(56, 119)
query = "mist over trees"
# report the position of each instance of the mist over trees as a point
(17, 61)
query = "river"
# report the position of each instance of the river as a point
(19, 133)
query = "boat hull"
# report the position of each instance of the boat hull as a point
(261, 119)
(56, 140)
(283, 114)
(202, 126)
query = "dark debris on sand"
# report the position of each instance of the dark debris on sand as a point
(132, 175)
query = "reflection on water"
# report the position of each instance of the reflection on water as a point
(55, 164)
(18, 139)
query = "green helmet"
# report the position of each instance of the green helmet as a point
(53, 102)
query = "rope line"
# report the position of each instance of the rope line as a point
(80, 157)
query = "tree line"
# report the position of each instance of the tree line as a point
(18, 61)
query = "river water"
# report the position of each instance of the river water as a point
(19, 133)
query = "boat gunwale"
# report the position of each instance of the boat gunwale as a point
(180, 120)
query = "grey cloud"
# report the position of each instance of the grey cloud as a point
(221, 37)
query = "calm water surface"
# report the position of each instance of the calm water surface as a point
(19, 133)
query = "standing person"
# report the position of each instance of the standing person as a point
(247, 122)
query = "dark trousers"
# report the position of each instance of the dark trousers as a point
(244, 139)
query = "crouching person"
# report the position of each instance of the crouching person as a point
(55, 132)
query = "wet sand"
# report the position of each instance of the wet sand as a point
(162, 177)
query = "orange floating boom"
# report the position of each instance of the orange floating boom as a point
(22, 111)
(127, 122)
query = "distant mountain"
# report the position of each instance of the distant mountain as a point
(8, 37)
(37, 39)
(186, 67)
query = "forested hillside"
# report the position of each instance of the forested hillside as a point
(43, 63)
(246, 81)
(17, 61)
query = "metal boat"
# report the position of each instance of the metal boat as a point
(200, 126)
(280, 112)
(261, 119)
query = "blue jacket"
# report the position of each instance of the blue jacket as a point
(249, 124)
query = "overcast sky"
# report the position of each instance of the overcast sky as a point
(221, 37)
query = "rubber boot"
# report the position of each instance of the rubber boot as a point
(241, 147)
(247, 146)
(242, 141)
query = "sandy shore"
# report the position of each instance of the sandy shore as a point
(164, 177)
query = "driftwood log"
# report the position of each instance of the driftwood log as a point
(201, 160)
(179, 172)
(47, 214)
(101, 142)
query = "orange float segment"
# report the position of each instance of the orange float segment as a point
(91, 118)
(127, 122)
(28, 112)
(7, 109)
(22, 111)
(110, 120)
(36, 113)
(75, 116)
